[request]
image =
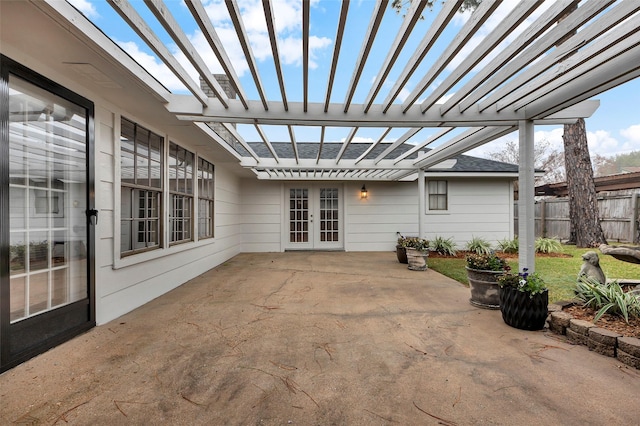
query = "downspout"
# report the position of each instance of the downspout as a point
(526, 201)
(421, 201)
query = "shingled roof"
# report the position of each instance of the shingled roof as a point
(309, 150)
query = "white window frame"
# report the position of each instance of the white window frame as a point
(429, 194)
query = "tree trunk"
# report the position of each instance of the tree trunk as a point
(585, 229)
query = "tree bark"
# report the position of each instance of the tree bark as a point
(585, 229)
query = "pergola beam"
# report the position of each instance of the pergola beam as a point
(135, 21)
(164, 16)
(234, 14)
(315, 116)
(521, 11)
(479, 16)
(470, 92)
(273, 38)
(408, 22)
(209, 33)
(568, 47)
(305, 52)
(336, 51)
(448, 11)
(594, 56)
(372, 30)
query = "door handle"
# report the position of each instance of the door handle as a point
(93, 214)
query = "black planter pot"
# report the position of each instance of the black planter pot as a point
(484, 288)
(401, 252)
(521, 311)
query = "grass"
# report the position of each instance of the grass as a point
(560, 273)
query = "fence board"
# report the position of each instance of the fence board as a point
(618, 218)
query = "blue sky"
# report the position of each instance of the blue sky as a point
(613, 129)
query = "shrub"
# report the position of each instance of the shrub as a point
(479, 246)
(524, 281)
(486, 262)
(509, 246)
(444, 246)
(548, 245)
(417, 243)
(609, 297)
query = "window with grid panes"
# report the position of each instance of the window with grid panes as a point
(180, 167)
(141, 188)
(205, 198)
(438, 195)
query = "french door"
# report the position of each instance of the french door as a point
(314, 215)
(46, 270)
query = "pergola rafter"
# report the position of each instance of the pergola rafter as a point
(559, 55)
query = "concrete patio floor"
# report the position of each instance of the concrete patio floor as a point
(318, 338)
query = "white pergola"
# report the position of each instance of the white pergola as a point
(547, 74)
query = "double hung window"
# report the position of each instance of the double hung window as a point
(141, 188)
(181, 194)
(438, 195)
(205, 198)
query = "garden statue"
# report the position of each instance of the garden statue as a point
(624, 253)
(591, 268)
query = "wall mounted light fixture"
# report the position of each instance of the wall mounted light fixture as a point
(364, 193)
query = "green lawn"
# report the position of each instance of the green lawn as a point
(558, 272)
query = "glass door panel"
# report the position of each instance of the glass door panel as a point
(307, 203)
(46, 191)
(47, 221)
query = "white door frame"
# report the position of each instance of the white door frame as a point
(313, 230)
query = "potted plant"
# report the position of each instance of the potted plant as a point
(483, 271)
(524, 300)
(401, 249)
(417, 252)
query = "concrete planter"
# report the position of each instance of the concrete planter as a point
(417, 259)
(484, 288)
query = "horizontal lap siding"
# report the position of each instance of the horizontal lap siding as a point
(261, 216)
(372, 224)
(120, 289)
(477, 208)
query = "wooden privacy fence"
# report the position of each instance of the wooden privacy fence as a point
(618, 216)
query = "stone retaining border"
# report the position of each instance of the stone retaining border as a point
(600, 340)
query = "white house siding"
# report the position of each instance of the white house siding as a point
(477, 208)
(125, 284)
(262, 215)
(372, 224)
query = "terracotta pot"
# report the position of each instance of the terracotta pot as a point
(521, 310)
(484, 288)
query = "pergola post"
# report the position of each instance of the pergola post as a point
(526, 201)
(421, 200)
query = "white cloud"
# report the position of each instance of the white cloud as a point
(288, 20)
(85, 7)
(360, 139)
(156, 68)
(315, 44)
(445, 98)
(601, 142)
(632, 135)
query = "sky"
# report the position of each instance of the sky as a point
(613, 129)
